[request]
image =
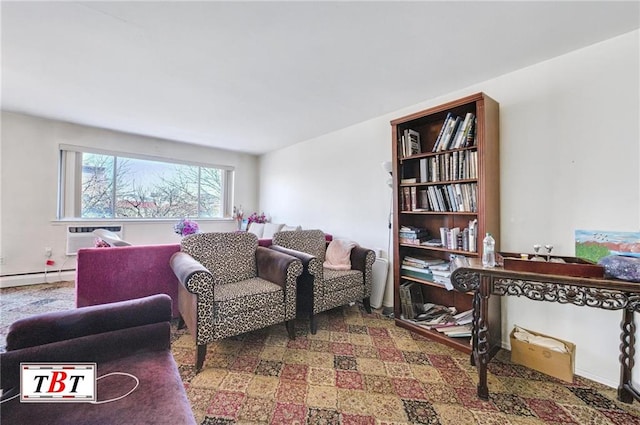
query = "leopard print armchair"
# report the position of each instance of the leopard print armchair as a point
(229, 285)
(320, 288)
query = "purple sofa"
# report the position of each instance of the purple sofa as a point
(107, 275)
(130, 336)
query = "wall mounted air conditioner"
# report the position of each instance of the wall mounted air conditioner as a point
(82, 236)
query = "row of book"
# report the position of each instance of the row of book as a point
(455, 197)
(461, 239)
(456, 132)
(457, 165)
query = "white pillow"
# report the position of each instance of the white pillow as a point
(257, 229)
(286, 228)
(271, 229)
(338, 256)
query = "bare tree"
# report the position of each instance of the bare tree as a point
(180, 191)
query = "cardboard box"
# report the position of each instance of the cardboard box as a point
(542, 359)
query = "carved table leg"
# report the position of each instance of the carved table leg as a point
(481, 350)
(474, 325)
(627, 351)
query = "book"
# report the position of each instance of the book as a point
(413, 140)
(414, 198)
(427, 261)
(436, 145)
(424, 170)
(423, 200)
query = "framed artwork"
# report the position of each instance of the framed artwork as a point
(592, 245)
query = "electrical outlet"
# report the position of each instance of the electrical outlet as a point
(1, 261)
(48, 252)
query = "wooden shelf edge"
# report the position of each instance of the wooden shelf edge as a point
(430, 283)
(433, 248)
(460, 344)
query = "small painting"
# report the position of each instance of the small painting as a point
(592, 245)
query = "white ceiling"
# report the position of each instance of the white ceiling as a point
(259, 76)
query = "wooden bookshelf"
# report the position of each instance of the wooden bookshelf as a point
(474, 162)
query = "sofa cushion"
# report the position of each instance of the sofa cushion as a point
(271, 229)
(286, 228)
(257, 229)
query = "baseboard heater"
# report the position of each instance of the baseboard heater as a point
(82, 236)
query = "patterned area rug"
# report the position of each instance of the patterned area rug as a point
(358, 369)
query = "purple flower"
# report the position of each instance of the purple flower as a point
(255, 218)
(186, 227)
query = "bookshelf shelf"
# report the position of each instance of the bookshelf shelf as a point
(449, 181)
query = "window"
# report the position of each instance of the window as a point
(99, 185)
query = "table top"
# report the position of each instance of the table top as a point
(475, 266)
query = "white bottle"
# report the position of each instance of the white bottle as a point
(488, 251)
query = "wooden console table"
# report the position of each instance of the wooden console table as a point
(605, 294)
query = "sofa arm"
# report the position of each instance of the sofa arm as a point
(94, 348)
(59, 326)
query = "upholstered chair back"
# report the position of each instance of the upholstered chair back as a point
(312, 242)
(230, 257)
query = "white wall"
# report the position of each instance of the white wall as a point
(570, 159)
(29, 158)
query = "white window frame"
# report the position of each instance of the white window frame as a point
(70, 183)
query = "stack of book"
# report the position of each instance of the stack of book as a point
(430, 315)
(459, 327)
(441, 274)
(419, 267)
(412, 235)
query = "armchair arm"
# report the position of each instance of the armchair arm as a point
(309, 262)
(190, 273)
(60, 326)
(282, 269)
(362, 259)
(277, 267)
(359, 257)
